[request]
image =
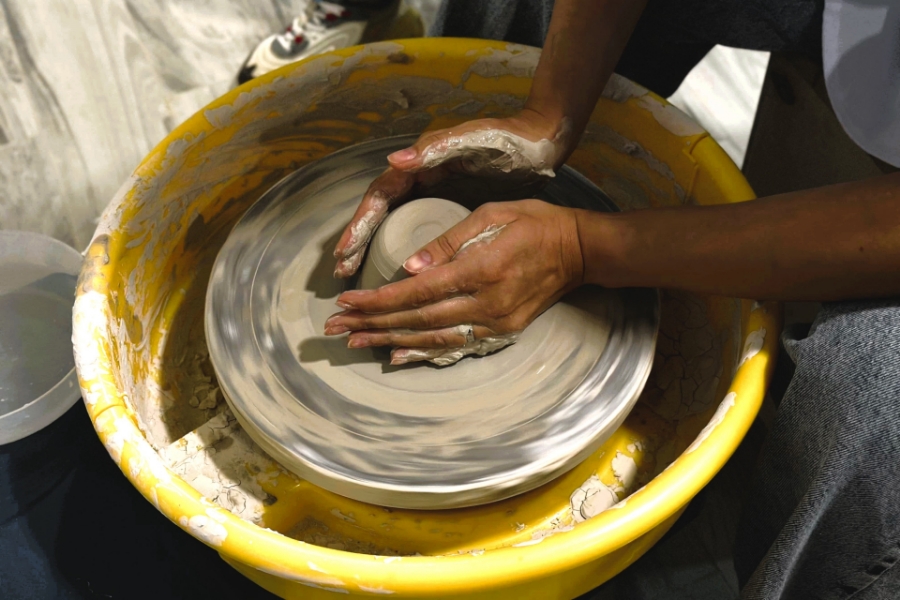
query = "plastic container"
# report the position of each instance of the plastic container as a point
(37, 367)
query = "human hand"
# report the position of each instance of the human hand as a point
(495, 272)
(507, 156)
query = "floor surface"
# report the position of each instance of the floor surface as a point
(722, 92)
(88, 88)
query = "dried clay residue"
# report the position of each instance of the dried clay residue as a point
(515, 60)
(221, 462)
(670, 117)
(753, 345)
(717, 418)
(557, 525)
(186, 393)
(204, 391)
(591, 498)
(208, 527)
(618, 142)
(619, 89)
(594, 496)
(688, 365)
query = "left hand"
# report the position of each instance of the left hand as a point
(499, 284)
(502, 158)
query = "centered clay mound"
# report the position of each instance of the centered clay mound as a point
(416, 436)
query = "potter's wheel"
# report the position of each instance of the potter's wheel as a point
(416, 436)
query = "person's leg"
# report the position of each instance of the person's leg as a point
(670, 39)
(516, 21)
(823, 516)
(650, 58)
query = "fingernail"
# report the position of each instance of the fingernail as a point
(348, 299)
(399, 356)
(357, 342)
(336, 330)
(402, 155)
(417, 262)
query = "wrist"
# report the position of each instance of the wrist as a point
(548, 118)
(550, 125)
(606, 240)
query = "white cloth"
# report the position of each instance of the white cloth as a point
(861, 60)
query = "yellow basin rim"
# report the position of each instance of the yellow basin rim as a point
(335, 570)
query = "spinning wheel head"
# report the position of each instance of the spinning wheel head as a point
(416, 436)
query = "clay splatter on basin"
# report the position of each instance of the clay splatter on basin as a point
(141, 350)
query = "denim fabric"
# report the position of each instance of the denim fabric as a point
(670, 39)
(79, 530)
(823, 518)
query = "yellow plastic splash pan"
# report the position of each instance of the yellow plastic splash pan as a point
(141, 354)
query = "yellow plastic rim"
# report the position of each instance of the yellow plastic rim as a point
(715, 179)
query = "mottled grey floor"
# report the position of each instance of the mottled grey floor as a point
(88, 87)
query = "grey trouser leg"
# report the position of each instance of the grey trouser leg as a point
(651, 58)
(823, 518)
(518, 21)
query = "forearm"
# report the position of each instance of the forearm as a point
(832, 243)
(584, 42)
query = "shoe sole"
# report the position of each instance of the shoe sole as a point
(384, 24)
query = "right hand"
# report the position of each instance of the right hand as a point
(508, 157)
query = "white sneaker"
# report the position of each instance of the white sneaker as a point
(322, 27)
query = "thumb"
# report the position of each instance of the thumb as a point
(429, 151)
(443, 248)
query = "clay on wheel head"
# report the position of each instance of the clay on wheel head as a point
(403, 232)
(418, 438)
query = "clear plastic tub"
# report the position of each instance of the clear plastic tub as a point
(38, 383)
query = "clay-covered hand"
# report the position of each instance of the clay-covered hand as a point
(496, 270)
(508, 156)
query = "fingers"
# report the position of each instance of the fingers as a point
(431, 286)
(389, 189)
(446, 246)
(446, 313)
(402, 356)
(411, 158)
(445, 337)
(434, 147)
(447, 356)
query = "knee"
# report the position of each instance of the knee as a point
(861, 336)
(849, 364)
